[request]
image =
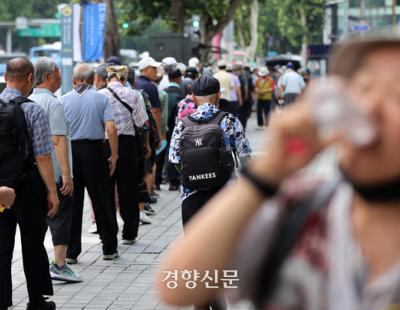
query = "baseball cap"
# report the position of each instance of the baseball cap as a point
(289, 65)
(193, 62)
(101, 70)
(169, 61)
(221, 63)
(114, 60)
(191, 72)
(148, 62)
(205, 85)
(349, 54)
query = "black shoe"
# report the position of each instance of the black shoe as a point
(148, 209)
(45, 305)
(157, 187)
(154, 194)
(153, 200)
(173, 188)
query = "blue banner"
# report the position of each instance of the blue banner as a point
(94, 22)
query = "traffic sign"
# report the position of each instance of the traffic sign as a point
(44, 31)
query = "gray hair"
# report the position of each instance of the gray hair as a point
(83, 72)
(42, 68)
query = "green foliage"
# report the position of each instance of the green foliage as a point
(289, 19)
(9, 10)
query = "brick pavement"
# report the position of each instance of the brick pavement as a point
(125, 283)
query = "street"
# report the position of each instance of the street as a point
(126, 283)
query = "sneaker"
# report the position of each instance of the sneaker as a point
(92, 229)
(64, 273)
(173, 188)
(71, 261)
(144, 219)
(148, 209)
(45, 305)
(110, 256)
(128, 241)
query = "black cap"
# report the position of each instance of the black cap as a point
(191, 72)
(174, 74)
(101, 70)
(205, 85)
(114, 60)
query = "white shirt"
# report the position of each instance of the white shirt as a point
(292, 82)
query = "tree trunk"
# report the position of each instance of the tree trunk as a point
(209, 28)
(177, 12)
(254, 13)
(112, 39)
(304, 37)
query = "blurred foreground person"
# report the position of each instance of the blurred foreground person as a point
(288, 244)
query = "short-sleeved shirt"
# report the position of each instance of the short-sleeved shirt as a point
(236, 83)
(151, 89)
(86, 113)
(124, 120)
(234, 138)
(293, 82)
(37, 125)
(265, 87)
(57, 122)
(226, 85)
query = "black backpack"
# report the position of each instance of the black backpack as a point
(205, 160)
(13, 141)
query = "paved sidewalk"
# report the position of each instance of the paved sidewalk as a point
(127, 282)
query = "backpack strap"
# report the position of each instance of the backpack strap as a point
(20, 100)
(127, 106)
(285, 238)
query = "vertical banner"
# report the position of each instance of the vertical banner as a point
(66, 46)
(94, 22)
(76, 20)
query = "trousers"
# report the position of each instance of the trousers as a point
(125, 179)
(29, 212)
(90, 168)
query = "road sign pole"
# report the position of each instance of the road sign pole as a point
(66, 47)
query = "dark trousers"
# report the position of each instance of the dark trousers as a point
(90, 169)
(290, 98)
(263, 109)
(160, 161)
(190, 206)
(245, 112)
(234, 108)
(125, 177)
(29, 212)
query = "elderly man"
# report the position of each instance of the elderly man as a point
(47, 82)
(129, 115)
(100, 78)
(29, 209)
(90, 115)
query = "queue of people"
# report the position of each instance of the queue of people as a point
(119, 137)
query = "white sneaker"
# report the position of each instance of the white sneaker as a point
(144, 219)
(92, 229)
